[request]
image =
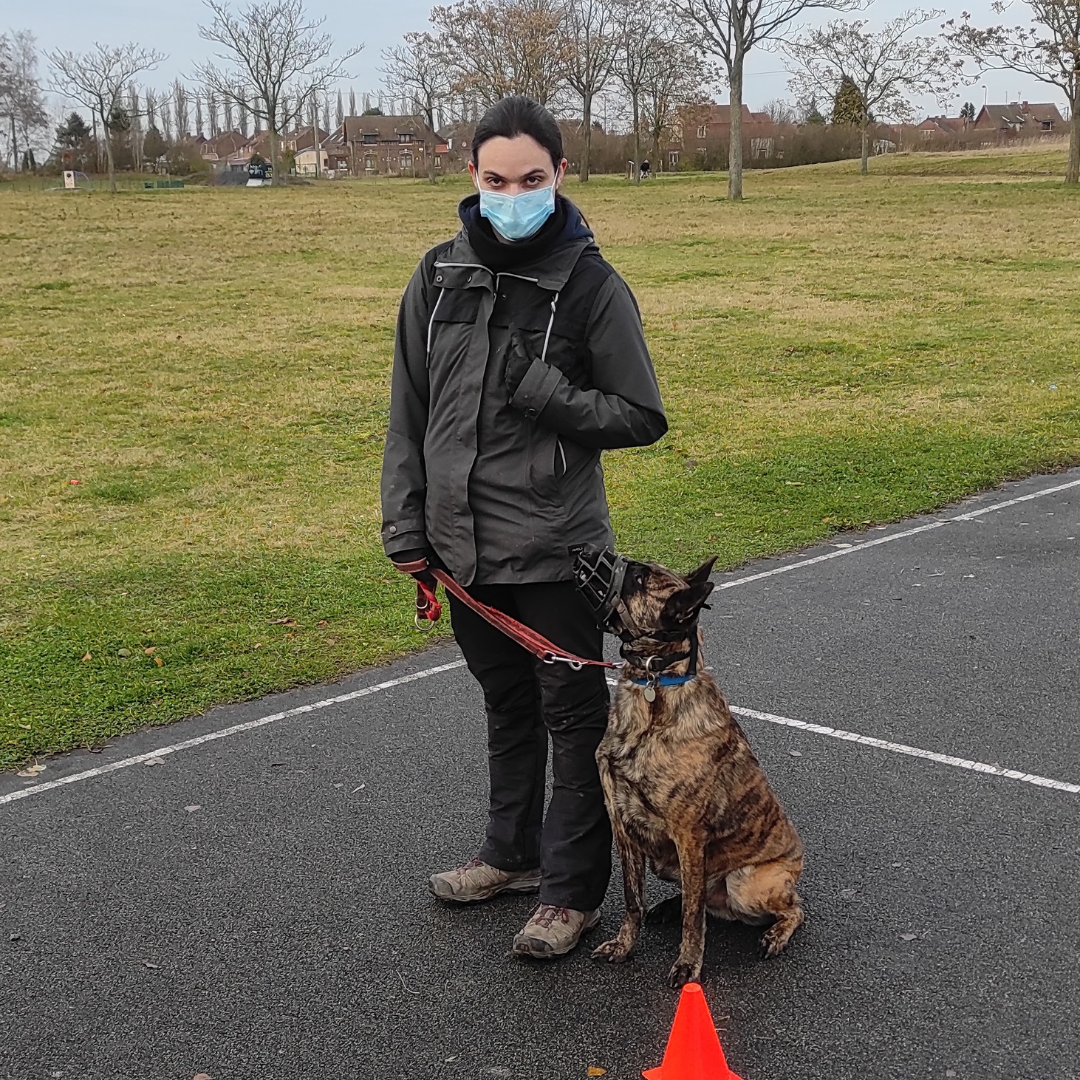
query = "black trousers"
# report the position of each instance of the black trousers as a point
(527, 702)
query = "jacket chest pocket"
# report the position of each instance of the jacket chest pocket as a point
(450, 328)
(456, 306)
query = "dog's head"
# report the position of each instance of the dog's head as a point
(634, 599)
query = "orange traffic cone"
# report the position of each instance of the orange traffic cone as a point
(693, 1050)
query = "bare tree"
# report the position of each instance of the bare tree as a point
(675, 76)
(200, 121)
(241, 109)
(136, 130)
(277, 49)
(98, 78)
(592, 32)
(884, 66)
(165, 105)
(178, 94)
(416, 70)
(352, 101)
(782, 113)
(22, 104)
(326, 112)
(730, 29)
(339, 110)
(495, 48)
(633, 63)
(1047, 49)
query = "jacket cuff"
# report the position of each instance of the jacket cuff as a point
(535, 389)
(397, 542)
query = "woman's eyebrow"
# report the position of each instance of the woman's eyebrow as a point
(490, 174)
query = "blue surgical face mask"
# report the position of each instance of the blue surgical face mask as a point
(517, 217)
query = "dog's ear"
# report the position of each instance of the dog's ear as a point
(683, 606)
(696, 577)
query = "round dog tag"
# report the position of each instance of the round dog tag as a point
(650, 694)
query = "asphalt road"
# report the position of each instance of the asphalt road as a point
(253, 908)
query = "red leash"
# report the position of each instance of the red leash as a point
(429, 608)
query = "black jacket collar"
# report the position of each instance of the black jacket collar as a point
(565, 228)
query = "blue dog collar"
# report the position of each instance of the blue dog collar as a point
(664, 680)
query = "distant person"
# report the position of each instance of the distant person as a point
(519, 357)
(643, 170)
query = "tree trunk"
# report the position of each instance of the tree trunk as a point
(275, 153)
(586, 117)
(1072, 171)
(14, 146)
(107, 136)
(637, 140)
(735, 147)
(864, 164)
(431, 154)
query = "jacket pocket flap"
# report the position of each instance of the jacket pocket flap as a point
(457, 305)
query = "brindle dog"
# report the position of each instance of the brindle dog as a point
(682, 785)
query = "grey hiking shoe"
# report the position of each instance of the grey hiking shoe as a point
(553, 931)
(477, 881)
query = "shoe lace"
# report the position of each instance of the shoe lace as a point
(546, 914)
(472, 864)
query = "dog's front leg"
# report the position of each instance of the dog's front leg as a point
(692, 876)
(632, 857)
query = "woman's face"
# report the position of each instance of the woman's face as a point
(511, 166)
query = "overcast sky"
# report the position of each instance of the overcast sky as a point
(172, 28)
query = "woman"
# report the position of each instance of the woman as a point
(519, 358)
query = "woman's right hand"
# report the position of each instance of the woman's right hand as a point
(415, 564)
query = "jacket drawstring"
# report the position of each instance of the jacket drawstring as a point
(547, 336)
(430, 327)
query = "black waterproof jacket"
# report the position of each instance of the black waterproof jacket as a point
(499, 485)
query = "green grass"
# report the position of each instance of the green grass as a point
(212, 367)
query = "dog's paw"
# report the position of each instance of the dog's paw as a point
(682, 973)
(773, 941)
(613, 951)
(666, 911)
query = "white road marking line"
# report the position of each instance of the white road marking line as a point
(389, 684)
(901, 748)
(910, 751)
(236, 729)
(852, 549)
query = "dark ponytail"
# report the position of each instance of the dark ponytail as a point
(513, 116)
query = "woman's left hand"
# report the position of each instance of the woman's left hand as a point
(518, 362)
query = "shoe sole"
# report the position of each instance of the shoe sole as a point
(521, 946)
(524, 885)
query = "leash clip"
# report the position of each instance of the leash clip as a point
(555, 658)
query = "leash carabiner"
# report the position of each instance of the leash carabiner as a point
(555, 658)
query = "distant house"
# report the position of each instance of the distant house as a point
(303, 138)
(936, 127)
(389, 146)
(1020, 119)
(457, 138)
(702, 131)
(218, 150)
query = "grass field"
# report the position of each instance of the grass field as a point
(211, 367)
